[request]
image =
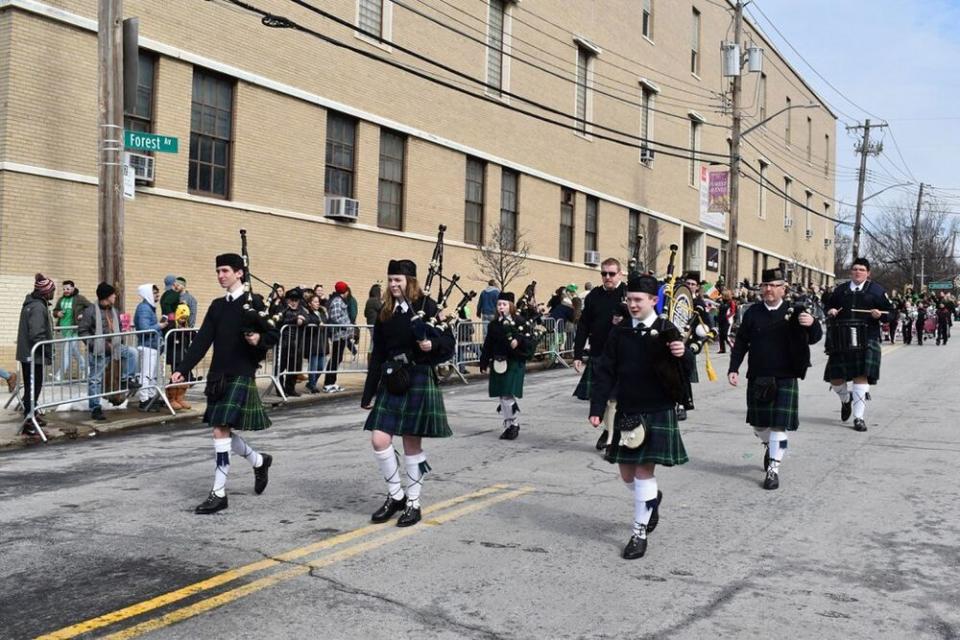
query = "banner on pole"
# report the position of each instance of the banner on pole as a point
(714, 196)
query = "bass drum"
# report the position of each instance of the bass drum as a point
(683, 311)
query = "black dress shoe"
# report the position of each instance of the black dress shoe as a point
(772, 481)
(655, 516)
(212, 504)
(409, 517)
(388, 509)
(636, 546)
(681, 415)
(859, 424)
(511, 432)
(602, 440)
(846, 408)
(261, 474)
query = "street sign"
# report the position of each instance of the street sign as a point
(150, 142)
(946, 284)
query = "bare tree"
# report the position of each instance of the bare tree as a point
(503, 259)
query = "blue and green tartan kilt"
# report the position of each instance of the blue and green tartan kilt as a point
(782, 413)
(509, 383)
(662, 444)
(585, 386)
(240, 408)
(853, 364)
(418, 412)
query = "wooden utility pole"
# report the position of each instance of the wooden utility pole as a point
(733, 252)
(110, 157)
(915, 246)
(865, 150)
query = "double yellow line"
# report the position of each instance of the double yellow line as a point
(477, 500)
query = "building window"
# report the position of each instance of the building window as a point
(647, 97)
(566, 224)
(827, 231)
(695, 43)
(808, 228)
(633, 229)
(496, 20)
(211, 123)
(473, 211)
(787, 217)
(390, 193)
(788, 130)
(762, 194)
(341, 155)
(694, 150)
(590, 224)
(826, 155)
(724, 246)
(141, 118)
(809, 140)
(647, 25)
(509, 206)
(762, 96)
(584, 93)
(370, 17)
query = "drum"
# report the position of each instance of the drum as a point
(845, 335)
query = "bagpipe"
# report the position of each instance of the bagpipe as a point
(676, 302)
(678, 305)
(256, 318)
(425, 327)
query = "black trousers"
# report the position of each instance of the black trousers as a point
(28, 399)
(336, 357)
(919, 333)
(724, 332)
(907, 332)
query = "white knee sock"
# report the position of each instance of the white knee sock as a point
(842, 391)
(240, 447)
(416, 467)
(387, 461)
(777, 446)
(222, 448)
(644, 499)
(860, 399)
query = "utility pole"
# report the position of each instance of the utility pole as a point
(110, 169)
(865, 150)
(733, 252)
(915, 247)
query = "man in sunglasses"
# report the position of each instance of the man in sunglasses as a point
(600, 307)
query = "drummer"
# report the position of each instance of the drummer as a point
(859, 304)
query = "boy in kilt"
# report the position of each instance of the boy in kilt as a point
(778, 339)
(401, 389)
(632, 364)
(508, 344)
(239, 345)
(860, 301)
(602, 308)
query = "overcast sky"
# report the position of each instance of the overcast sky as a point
(897, 61)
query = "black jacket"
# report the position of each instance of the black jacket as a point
(871, 296)
(496, 344)
(596, 319)
(778, 347)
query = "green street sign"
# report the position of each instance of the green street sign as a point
(940, 285)
(140, 141)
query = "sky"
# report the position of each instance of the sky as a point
(893, 61)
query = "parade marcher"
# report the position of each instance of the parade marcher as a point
(600, 307)
(35, 326)
(909, 318)
(639, 354)
(920, 321)
(692, 280)
(401, 389)
(943, 324)
(893, 321)
(239, 345)
(779, 348)
(725, 316)
(507, 345)
(855, 308)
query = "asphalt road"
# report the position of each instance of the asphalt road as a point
(523, 540)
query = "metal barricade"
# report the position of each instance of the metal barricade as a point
(556, 341)
(117, 366)
(313, 350)
(71, 356)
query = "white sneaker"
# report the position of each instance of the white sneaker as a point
(329, 388)
(336, 389)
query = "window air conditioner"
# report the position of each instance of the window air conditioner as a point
(338, 208)
(787, 223)
(646, 154)
(591, 258)
(809, 233)
(827, 242)
(142, 165)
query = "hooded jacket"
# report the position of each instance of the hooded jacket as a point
(145, 319)
(35, 325)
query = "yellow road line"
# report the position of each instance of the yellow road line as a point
(228, 576)
(257, 585)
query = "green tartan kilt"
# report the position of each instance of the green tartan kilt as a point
(509, 383)
(240, 408)
(782, 413)
(585, 386)
(848, 365)
(418, 412)
(662, 444)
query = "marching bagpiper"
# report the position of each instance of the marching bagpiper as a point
(507, 345)
(401, 388)
(777, 336)
(853, 340)
(642, 361)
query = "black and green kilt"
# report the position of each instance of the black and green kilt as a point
(781, 413)
(582, 392)
(848, 365)
(239, 408)
(662, 444)
(509, 383)
(418, 412)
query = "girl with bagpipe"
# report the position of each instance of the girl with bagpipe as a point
(401, 388)
(508, 345)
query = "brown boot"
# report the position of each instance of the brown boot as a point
(182, 398)
(172, 398)
(12, 382)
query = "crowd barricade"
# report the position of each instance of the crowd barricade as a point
(115, 367)
(316, 350)
(71, 356)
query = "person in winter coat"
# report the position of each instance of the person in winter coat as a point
(103, 319)
(487, 302)
(294, 317)
(67, 313)
(315, 345)
(35, 326)
(148, 344)
(338, 313)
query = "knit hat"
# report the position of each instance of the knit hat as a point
(182, 313)
(341, 287)
(104, 291)
(43, 285)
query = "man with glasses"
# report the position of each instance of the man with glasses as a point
(600, 307)
(779, 348)
(855, 309)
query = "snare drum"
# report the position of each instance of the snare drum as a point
(845, 335)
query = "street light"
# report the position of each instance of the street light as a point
(893, 186)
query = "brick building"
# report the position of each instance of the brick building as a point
(277, 126)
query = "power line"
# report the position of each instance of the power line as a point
(897, 147)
